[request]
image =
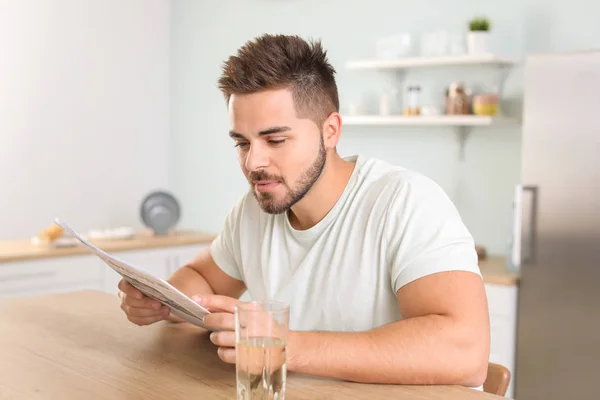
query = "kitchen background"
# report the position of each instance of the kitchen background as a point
(105, 101)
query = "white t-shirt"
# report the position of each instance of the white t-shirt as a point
(390, 227)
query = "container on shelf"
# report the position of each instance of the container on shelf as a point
(477, 42)
(458, 99)
(412, 100)
(430, 111)
(388, 102)
(485, 104)
(394, 46)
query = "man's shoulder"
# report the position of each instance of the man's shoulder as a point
(395, 179)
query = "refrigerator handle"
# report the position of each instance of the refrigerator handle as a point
(522, 247)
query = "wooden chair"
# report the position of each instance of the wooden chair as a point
(497, 380)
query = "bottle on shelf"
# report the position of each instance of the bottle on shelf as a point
(388, 102)
(412, 100)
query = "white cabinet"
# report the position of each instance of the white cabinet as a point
(50, 275)
(71, 273)
(160, 262)
(502, 303)
(184, 254)
(153, 261)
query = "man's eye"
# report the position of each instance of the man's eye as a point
(277, 141)
(241, 144)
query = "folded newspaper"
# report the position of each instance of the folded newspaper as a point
(150, 285)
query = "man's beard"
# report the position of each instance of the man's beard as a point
(267, 201)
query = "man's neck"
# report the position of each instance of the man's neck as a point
(323, 195)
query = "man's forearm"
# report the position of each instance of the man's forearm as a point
(432, 349)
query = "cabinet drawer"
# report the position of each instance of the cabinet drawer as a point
(182, 255)
(23, 276)
(502, 299)
(39, 289)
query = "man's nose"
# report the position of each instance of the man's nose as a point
(256, 158)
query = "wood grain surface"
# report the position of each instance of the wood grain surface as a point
(80, 346)
(494, 271)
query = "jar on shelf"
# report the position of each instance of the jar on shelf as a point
(485, 104)
(412, 100)
(388, 102)
(458, 99)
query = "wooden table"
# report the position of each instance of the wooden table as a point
(80, 345)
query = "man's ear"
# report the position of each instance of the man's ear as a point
(332, 129)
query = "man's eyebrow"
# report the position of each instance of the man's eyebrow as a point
(236, 135)
(269, 131)
(275, 129)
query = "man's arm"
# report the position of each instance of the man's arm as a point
(442, 339)
(203, 276)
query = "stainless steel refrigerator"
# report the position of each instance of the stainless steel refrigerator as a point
(557, 230)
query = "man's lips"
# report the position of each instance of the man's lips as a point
(265, 186)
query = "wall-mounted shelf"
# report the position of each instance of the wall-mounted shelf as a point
(461, 124)
(421, 62)
(438, 120)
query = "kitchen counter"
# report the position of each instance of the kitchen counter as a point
(25, 249)
(494, 271)
(79, 345)
(492, 268)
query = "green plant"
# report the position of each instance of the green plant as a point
(479, 24)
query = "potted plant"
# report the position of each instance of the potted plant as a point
(477, 38)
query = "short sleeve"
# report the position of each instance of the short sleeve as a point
(225, 249)
(425, 233)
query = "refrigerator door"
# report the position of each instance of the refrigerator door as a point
(558, 338)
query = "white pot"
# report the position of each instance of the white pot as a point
(477, 42)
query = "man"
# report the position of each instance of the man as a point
(379, 270)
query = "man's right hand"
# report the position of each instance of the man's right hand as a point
(140, 309)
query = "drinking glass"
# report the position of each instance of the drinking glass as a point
(261, 331)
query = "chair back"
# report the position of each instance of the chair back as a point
(497, 380)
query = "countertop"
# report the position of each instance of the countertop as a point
(494, 271)
(492, 267)
(25, 249)
(80, 346)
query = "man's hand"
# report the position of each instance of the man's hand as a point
(140, 309)
(199, 276)
(222, 320)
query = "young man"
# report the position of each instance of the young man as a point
(380, 271)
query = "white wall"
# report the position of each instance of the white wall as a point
(84, 111)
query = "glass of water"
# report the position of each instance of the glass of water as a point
(261, 331)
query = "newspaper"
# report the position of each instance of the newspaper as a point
(150, 285)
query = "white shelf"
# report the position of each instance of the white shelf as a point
(403, 63)
(440, 120)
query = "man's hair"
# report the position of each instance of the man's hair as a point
(284, 61)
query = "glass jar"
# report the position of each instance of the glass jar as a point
(458, 100)
(412, 100)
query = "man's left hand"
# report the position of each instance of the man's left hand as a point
(221, 320)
